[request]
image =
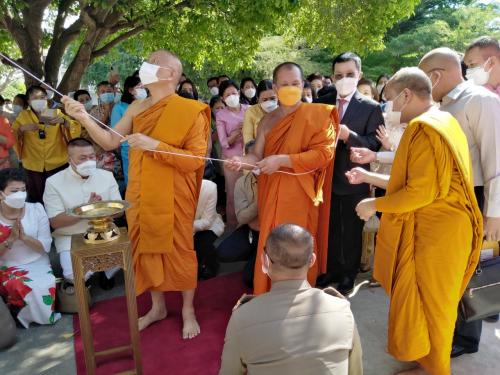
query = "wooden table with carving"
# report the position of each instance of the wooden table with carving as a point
(96, 258)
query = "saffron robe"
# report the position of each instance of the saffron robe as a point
(307, 136)
(429, 239)
(163, 191)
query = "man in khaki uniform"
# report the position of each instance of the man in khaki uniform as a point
(294, 328)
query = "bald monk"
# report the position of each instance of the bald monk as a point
(478, 112)
(162, 189)
(431, 229)
(295, 138)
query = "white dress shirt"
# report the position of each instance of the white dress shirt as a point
(67, 189)
(344, 108)
(36, 225)
(207, 217)
(478, 112)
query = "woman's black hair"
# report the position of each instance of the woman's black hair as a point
(380, 77)
(195, 90)
(213, 101)
(243, 98)
(130, 83)
(80, 92)
(264, 85)
(24, 98)
(8, 175)
(225, 85)
(312, 77)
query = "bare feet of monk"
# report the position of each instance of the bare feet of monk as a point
(152, 316)
(191, 327)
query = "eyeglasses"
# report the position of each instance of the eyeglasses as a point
(267, 254)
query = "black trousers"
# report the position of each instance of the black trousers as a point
(468, 335)
(239, 246)
(346, 236)
(35, 183)
(205, 250)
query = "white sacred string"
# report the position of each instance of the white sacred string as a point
(255, 168)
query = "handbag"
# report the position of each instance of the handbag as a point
(482, 296)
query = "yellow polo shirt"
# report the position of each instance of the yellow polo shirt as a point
(253, 115)
(43, 154)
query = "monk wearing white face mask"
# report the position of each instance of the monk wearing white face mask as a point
(163, 189)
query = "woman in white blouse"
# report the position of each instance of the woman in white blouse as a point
(27, 283)
(207, 227)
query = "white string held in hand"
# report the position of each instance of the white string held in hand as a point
(255, 168)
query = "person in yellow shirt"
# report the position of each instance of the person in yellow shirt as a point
(41, 141)
(267, 101)
(430, 233)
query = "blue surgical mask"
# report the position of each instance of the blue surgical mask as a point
(107, 97)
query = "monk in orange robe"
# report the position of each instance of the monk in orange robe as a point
(163, 189)
(431, 229)
(295, 138)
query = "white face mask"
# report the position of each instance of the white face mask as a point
(50, 94)
(269, 106)
(346, 85)
(233, 101)
(39, 105)
(140, 93)
(214, 90)
(393, 118)
(249, 93)
(15, 200)
(16, 108)
(478, 75)
(147, 73)
(86, 168)
(88, 105)
(308, 99)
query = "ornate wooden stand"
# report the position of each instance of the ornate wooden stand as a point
(97, 258)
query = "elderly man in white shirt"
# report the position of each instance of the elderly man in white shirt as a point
(80, 183)
(207, 227)
(478, 112)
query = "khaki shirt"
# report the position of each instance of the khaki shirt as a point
(478, 113)
(292, 329)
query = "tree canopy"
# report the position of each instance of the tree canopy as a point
(226, 33)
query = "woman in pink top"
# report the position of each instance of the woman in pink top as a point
(229, 124)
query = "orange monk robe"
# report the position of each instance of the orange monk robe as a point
(163, 191)
(429, 239)
(308, 136)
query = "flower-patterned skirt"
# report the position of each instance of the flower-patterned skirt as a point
(29, 291)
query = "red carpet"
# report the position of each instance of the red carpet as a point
(162, 348)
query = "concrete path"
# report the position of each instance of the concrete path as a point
(49, 350)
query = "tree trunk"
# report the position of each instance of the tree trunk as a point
(73, 75)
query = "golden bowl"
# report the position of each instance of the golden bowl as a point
(100, 215)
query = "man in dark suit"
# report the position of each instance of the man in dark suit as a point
(359, 118)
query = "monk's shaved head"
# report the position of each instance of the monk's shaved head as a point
(167, 59)
(290, 246)
(444, 58)
(413, 79)
(443, 66)
(287, 66)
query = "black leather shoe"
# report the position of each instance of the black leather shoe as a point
(105, 283)
(458, 350)
(326, 279)
(346, 286)
(492, 319)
